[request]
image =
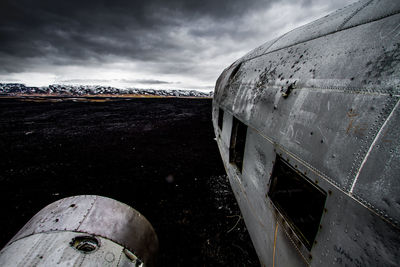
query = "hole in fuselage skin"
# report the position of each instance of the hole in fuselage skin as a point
(237, 144)
(85, 244)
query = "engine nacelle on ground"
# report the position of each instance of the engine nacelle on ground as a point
(85, 231)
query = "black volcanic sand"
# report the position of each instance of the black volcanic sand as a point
(156, 155)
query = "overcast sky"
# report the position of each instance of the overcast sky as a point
(144, 44)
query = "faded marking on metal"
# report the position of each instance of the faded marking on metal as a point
(276, 233)
(351, 114)
(357, 129)
(299, 135)
(372, 146)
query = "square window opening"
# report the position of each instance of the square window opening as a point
(238, 142)
(220, 118)
(300, 201)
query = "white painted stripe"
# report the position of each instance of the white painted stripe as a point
(372, 146)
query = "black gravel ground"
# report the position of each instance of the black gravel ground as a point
(156, 155)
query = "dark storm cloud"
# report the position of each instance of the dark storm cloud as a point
(66, 32)
(173, 38)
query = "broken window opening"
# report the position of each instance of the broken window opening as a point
(238, 142)
(300, 201)
(234, 72)
(220, 118)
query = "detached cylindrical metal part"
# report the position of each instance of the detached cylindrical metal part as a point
(83, 231)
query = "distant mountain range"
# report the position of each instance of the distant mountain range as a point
(87, 90)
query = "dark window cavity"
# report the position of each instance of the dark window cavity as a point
(238, 141)
(234, 72)
(220, 118)
(300, 201)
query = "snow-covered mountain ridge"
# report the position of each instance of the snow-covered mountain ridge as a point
(82, 90)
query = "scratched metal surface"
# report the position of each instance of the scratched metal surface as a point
(338, 124)
(99, 216)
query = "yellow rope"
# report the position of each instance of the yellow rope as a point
(273, 257)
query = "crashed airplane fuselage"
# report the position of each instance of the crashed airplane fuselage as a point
(308, 128)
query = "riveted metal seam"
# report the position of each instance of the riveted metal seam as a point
(371, 147)
(338, 89)
(364, 148)
(353, 14)
(87, 213)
